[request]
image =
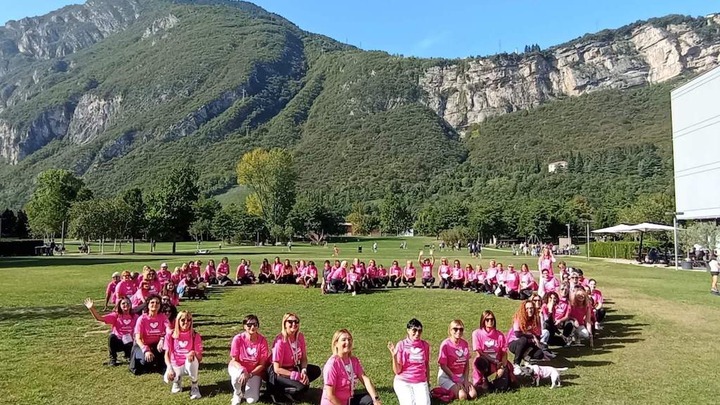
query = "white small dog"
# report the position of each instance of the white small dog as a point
(553, 373)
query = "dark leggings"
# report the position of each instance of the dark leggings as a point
(513, 294)
(526, 293)
(138, 365)
(599, 314)
(428, 282)
(116, 345)
(522, 345)
(361, 398)
(484, 367)
(395, 281)
(409, 281)
(458, 283)
(264, 278)
(338, 284)
(280, 385)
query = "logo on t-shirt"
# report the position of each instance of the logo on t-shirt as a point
(251, 351)
(154, 325)
(461, 352)
(182, 344)
(489, 343)
(416, 354)
(126, 321)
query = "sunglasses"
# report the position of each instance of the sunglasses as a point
(537, 299)
(416, 330)
(293, 322)
(489, 319)
(458, 329)
(184, 320)
(251, 324)
(530, 308)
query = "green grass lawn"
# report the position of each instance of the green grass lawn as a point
(659, 344)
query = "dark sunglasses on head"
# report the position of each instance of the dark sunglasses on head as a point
(458, 329)
(293, 321)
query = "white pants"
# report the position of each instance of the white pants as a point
(411, 394)
(189, 368)
(446, 381)
(581, 333)
(252, 386)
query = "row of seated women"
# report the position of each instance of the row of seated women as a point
(161, 340)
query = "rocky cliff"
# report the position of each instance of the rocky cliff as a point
(471, 90)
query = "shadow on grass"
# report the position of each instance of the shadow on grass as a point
(16, 314)
(24, 262)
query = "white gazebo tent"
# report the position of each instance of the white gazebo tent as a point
(642, 228)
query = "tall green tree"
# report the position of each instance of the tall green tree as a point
(205, 211)
(271, 176)
(134, 199)
(170, 206)
(49, 205)
(395, 215)
(314, 220)
(9, 221)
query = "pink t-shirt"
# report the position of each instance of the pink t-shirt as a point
(179, 348)
(209, 272)
(151, 329)
(527, 281)
(579, 314)
(516, 328)
(414, 358)
(546, 263)
(353, 277)
(454, 356)
(512, 280)
(427, 271)
(561, 309)
(551, 285)
(470, 275)
(241, 271)
(597, 297)
(155, 286)
(139, 297)
(122, 324)
(410, 272)
(311, 271)
(287, 353)
(111, 290)
(395, 271)
(457, 273)
(372, 272)
(382, 272)
(125, 288)
(176, 277)
(480, 276)
(223, 269)
(444, 271)
(342, 376)
(339, 274)
(500, 276)
(195, 270)
(278, 269)
(163, 276)
(491, 274)
(248, 353)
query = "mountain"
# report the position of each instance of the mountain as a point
(118, 91)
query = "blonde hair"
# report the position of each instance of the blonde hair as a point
(336, 338)
(458, 323)
(181, 315)
(283, 332)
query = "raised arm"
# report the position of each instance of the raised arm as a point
(89, 304)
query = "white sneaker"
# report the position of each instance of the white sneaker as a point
(516, 370)
(195, 391)
(236, 399)
(176, 387)
(354, 293)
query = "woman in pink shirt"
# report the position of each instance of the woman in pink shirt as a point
(141, 296)
(183, 354)
(353, 280)
(490, 347)
(110, 296)
(310, 278)
(395, 274)
(524, 336)
(126, 287)
(491, 278)
(479, 278)
(277, 271)
(290, 375)
(177, 276)
(372, 274)
(512, 283)
(548, 283)
(470, 278)
(223, 272)
(210, 274)
(338, 278)
(597, 298)
(194, 269)
(411, 365)
(527, 282)
(579, 325)
(265, 274)
(546, 260)
(457, 277)
(426, 265)
(122, 322)
(444, 273)
(150, 330)
(342, 372)
(383, 277)
(454, 361)
(170, 292)
(249, 360)
(548, 312)
(288, 274)
(409, 275)
(163, 275)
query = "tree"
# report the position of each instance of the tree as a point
(705, 234)
(205, 211)
(21, 226)
(8, 223)
(364, 218)
(170, 206)
(271, 176)
(485, 219)
(48, 207)
(314, 220)
(100, 219)
(394, 213)
(648, 208)
(134, 199)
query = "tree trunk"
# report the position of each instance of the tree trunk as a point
(133, 245)
(174, 243)
(102, 246)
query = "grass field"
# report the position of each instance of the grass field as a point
(659, 344)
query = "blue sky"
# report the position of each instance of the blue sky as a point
(450, 28)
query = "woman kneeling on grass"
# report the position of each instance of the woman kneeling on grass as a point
(122, 321)
(411, 365)
(249, 357)
(341, 373)
(524, 336)
(290, 375)
(454, 361)
(150, 330)
(491, 371)
(579, 325)
(183, 354)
